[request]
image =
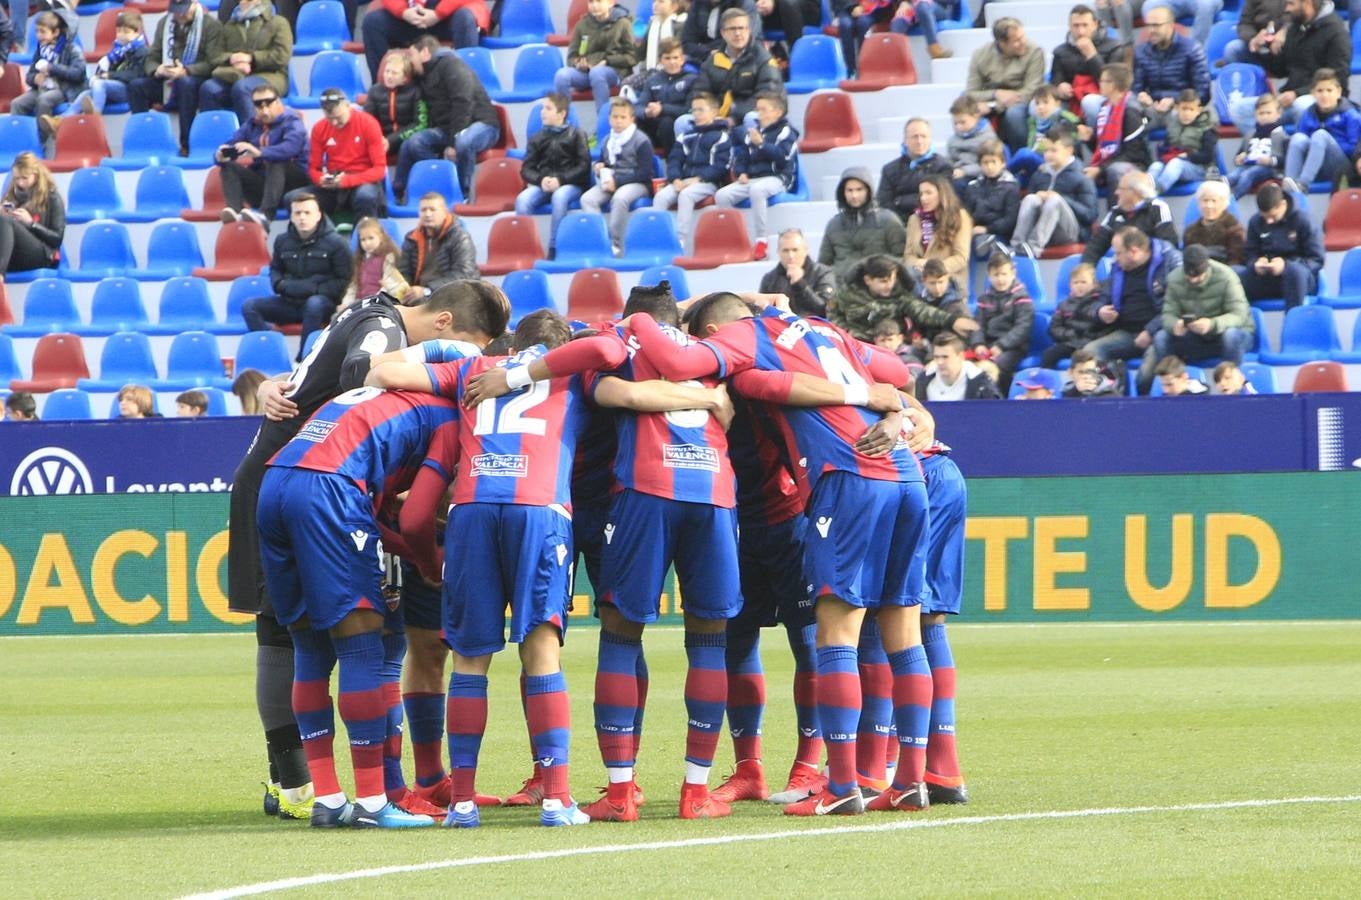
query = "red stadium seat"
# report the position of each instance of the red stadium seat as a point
(1317, 377)
(213, 200)
(594, 296)
(495, 186)
(885, 60)
(6, 314)
(830, 121)
(574, 12)
(11, 85)
(58, 362)
(105, 31)
(513, 244)
(1062, 251)
(507, 139)
(1342, 224)
(150, 6)
(241, 251)
(720, 237)
(81, 144)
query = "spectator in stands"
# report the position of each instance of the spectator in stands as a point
(7, 36)
(191, 405)
(57, 73)
(992, 200)
(703, 32)
(667, 24)
(861, 228)
(1120, 136)
(936, 288)
(808, 284)
(1203, 11)
(463, 121)
(186, 47)
(135, 401)
(1261, 156)
(347, 160)
(1229, 379)
(952, 377)
(742, 69)
(1217, 230)
(123, 64)
(1037, 387)
(32, 218)
(1133, 312)
(257, 47)
(1005, 316)
(396, 102)
(1075, 71)
(939, 228)
(1190, 147)
(1316, 38)
(1061, 205)
(1003, 76)
(665, 96)
(624, 172)
(1136, 204)
(1086, 378)
(403, 23)
(1284, 250)
(1176, 381)
(1257, 17)
(557, 166)
(1075, 322)
(926, 13)
(697, 165)
(1165, 65)
(264, 159)
(765, 164)
(308, 272)
(245, 387)
(20, 405)
(1046, 119)
(900, 178)
(971, 132)
(1205, 312)
(376, 265)
(600, 53)
(789, 17)
(437, 252)
(881, 287)
(1329, 132)
(888, 335)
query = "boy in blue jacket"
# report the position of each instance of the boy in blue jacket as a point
(1061, 205)
(1327, 135)
(665, 95)
(57, 74)
(765, 163)
(624, 173)
(698, 164)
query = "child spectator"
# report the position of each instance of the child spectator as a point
(1005, 316)
(375, 265)
(1086, 378)
(765, 163)
(1190, 145)
(1228, 379)
(992, 200)
(1175, 380)
(1328, 134)
(1061, 205)
(1075, 322)
(57, 74)
(971, 132)
(624, 173)
(118, 69)
(1217, 230)
(557, 166)
(881, 287)
(135, 401)
(939, 229)
(1047, 119)
(1261, 156)
(21, 407)
(854, 19)
(601, 52)
(1035, 389)
(1120, 137)
(191, 405)
(698, 164)
(666, 24)
(925, 13)
(888, 335)
(396, 102)
(937, 289)
(665, 96)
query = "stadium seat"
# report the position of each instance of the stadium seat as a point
(93, 194)
(11, 84)
(483, 64)
(1314, 377)
(1342, 222)
(81, 142)
(6, 313)
(30, 41)
(49, 308)
(321, 25)
(505, 142)
(650, 240)
(117, 306)
(66, 405)
(654, 275)
(583, 242)
(1356, 49)
(147, 141)
(815, 63)
(126, 359)
(1050, 378)
(512, 244)
(522, 22)
(18, 134)
(1262, 377)
(1237, 79)
(213, 200)
(594, 296)
(264, 350)
(105, 31)
(1260, 341)
(439, 175)
(885, 61)
(172, 250)
(1352, 355)
(1308, 333)
(535, 122)
(528, 290)
(1029, 274)
(1220, 35)
(330, 69)
(211, 129)
(391, 226)
(9, 360)
(575, 11)
(194, 361)
(720, 237)
(495, 186)
(243, 288)
(105, 250)
(830, 121)
(217, 400)
(240, 251)
(58, 362)
(160, 195)
(185, 306)
(1040, 340)
(535, 67)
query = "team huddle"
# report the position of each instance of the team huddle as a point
(773, 460)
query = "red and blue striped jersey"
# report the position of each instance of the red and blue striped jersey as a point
(517, 448)
(767, 493)
(378, 439)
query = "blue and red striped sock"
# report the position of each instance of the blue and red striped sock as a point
(706, 695)
(942, 759)
(549, 716)
(425, 726)
(362, 709)
(616, 698)
(876, 689)
(804, 648)
(912, 711)
(313, 660)
(394, 651)
(746, 694)
(838, 712)
(466, 721)
(640, 671)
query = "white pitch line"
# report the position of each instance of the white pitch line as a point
(900, 825)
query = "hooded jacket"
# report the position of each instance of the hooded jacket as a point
(400, 113)
(68, 71)
(736, 82)
(283, 140)
(1293, 238)
(994, 203)
(853, 234)
(963, 149)
(900, 179)
(609, 42)
(433, 262)
(1163, 259)
(1323, 43)
(454, 94)
(856, 310)
(1004, 318)
(1071, 183)
(560, 152)
(319, 264)
(1075, 322)
(267, 38)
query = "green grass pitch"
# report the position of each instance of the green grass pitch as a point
(132, 768)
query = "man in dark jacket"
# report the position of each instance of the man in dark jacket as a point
(952, 377)
(1137, 204)
(1165, 65)
(1284, 250)
(1077, 63)
(438, 252)
(703, 32)
(807, 284)
(263, 159)
(557, 165)
(1253, 19)
(1134, 312)
(309, 272)
(187, 44)
(463, 121)
(860, 228)
(736, 72)
(1316, 38)
(899, 179)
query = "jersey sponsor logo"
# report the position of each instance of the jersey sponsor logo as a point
(609, 533)
(316, 431)
(824, 525)
(50, 470)
(360, 538)
(690, 456)
(501, 465)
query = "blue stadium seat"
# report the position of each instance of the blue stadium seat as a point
(1259, 335)
(49, 308)
(391, 226)
(1220, 35)
(583, 243)
(1262, 376)
(438, 175)
(1040, 340)
(1348, 294)
(211, 129)
(1309, 333)
(9, 361)
(147, 141)
(1028, 271)
(1195, 373)
(172, 250)
(194, 361)
(815, 62)
(18, 134)
(117, 306)
(522, 22)
(321, 25)
(30, 42)
(1356, 48)
(528, 290)
(483, 64)
(243, 289)
(217, 401)
(126, 359)
(1050, 378)
(264, 350)
(161, 194)
(800, 194)
(649, 241)
(1193, 210)
(67, 404)
(185, 306)
(93, 194)
(1271, 304)
(331, 69)
(1343, 356)
(1188, 188)
(105, 250)
(535, 67)
(653, 275)
(1243, 79)
(307, 345)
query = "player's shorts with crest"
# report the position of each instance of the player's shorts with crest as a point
(645, 535)
(325, 521)
(499, 557)
(770, 558)
(862, 540)
(943, 586)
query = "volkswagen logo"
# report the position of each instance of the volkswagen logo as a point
(50, 470)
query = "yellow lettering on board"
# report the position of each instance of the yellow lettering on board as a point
(1178, 587)
(9, 582)
(1220, 528)
(994, 532)
(1050, 562)
(210, 586)
(54, 558)
(103, 578)
(177, 575)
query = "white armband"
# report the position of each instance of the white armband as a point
(856, 394)
(518, 377)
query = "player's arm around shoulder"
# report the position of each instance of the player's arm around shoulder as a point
(403, 376)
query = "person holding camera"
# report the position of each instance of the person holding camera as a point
(32, 218)
(265, 157)
(1205, 311)
(348, 159)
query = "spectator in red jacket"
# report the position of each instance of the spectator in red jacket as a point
(348, 158)
(399, 23)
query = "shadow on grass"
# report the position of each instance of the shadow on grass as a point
(133, 823)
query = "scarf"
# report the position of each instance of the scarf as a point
(52, 52)
(617, 141)
(118, 51)
(245, 15)
(928, 223)
(1110, 128)
(929, 154)
(187, 55)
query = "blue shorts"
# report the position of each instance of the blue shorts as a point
(499, 556)
(770, 559)
(326, 520)
(943, 588)
(646, 534)
(588, 533)
(422, 605)
(863, 540)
